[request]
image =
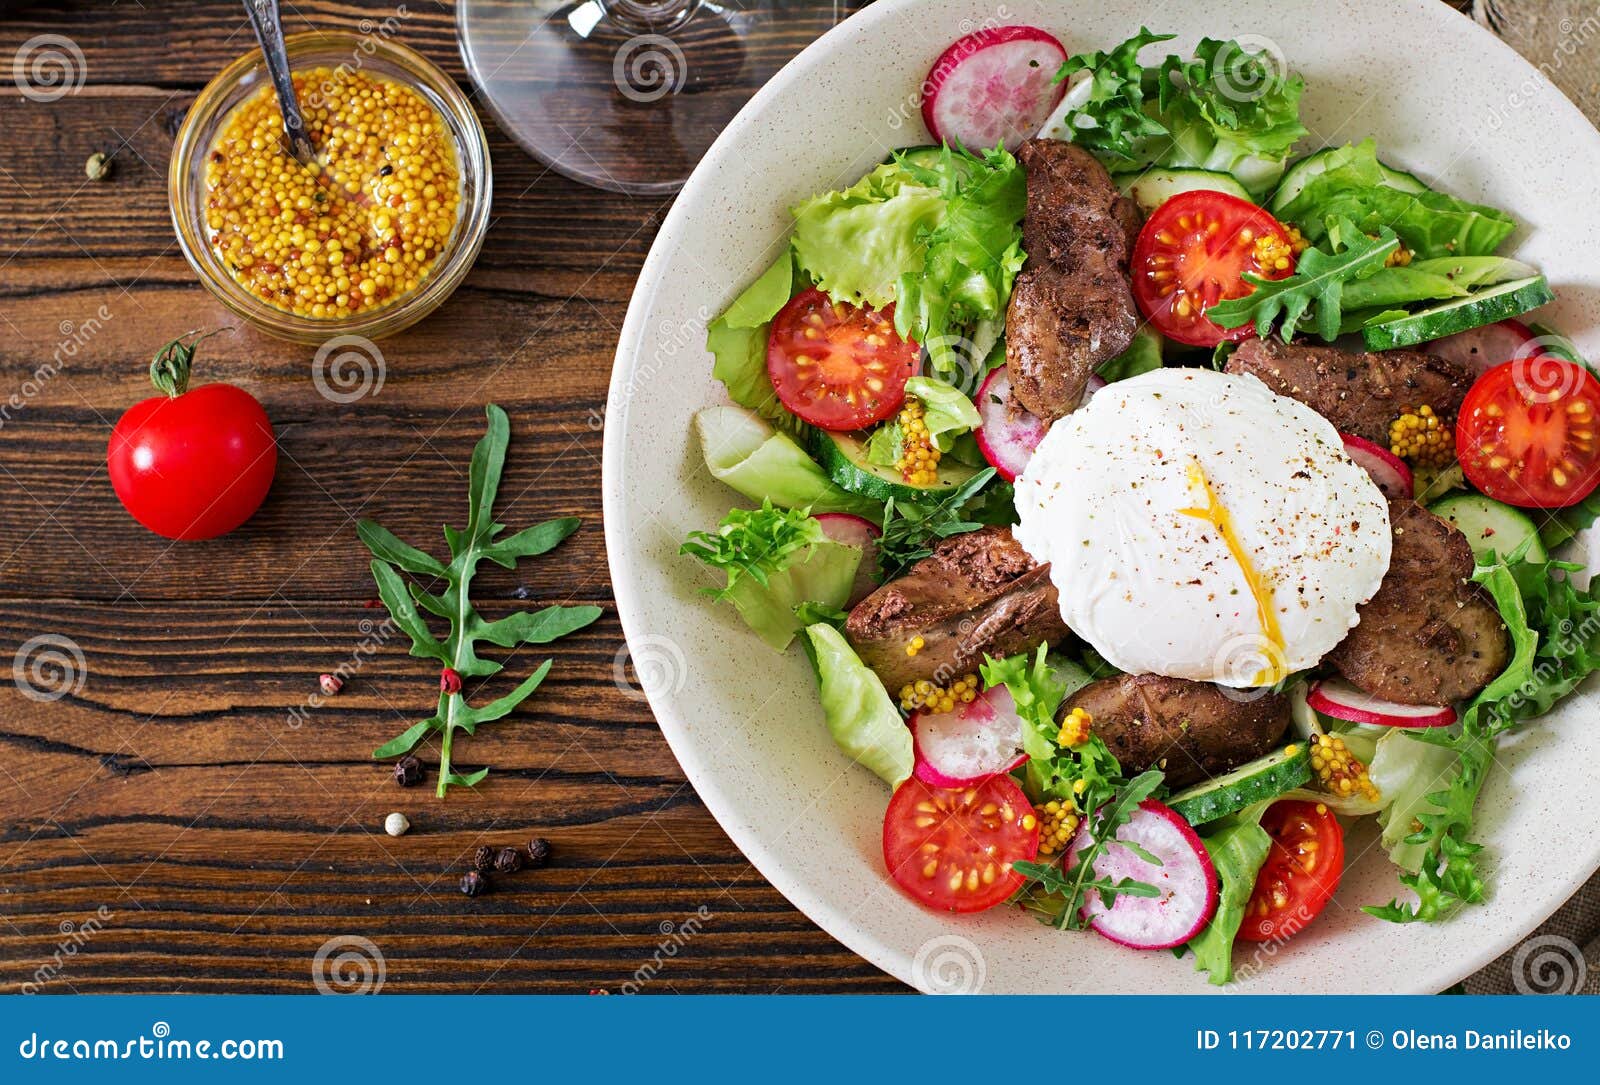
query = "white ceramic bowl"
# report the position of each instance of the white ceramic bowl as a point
(1445, 99)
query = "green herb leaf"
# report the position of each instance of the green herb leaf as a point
(458, 651)
(910, 527)
(1313, 294)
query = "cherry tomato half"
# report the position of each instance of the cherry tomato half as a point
(838, 366)
(195, 465)
(1526, 434)
(951, 849)
(1301, 872)
(1193, 253)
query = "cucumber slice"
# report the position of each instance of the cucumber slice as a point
(926, 156)
(844, 458)
(1447, 318)
(1262, 779)
(1152, 188)
(1491, 526)
(1303, 172)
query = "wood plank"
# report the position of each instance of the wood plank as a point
(227, 843)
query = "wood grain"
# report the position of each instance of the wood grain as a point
(227, 826)
(189, 787)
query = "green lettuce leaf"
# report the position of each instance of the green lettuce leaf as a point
(1555, 635)
(943, 241)
(862, 719)
(886, 445)
(970, 262)
(774, 560)
(1142, 356)
(1227, 109)
(1430, 224)
(945, 410)
(763, 298)
(737, 341)
(744, 451)
(1238, 845)
(858, 242)
(1038, 683)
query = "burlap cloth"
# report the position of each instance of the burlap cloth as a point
(1562, 39)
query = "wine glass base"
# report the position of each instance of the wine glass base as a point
(629, 96)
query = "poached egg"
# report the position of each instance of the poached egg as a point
(1200, 526)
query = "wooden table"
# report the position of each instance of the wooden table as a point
(167, 825)
(225, 842)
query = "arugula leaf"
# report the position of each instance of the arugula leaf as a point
(1555, 635)
(1060, 893)
(458, 651)
(1315, 288)
(909, 527)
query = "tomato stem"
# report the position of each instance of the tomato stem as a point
(169, 369)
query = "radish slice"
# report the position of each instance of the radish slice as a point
(1343, 701)
(993, 86)
(842, 527)
(1387, 470)
(1481, 349)
(1186, 881)
(1008, 434)
(969, 744)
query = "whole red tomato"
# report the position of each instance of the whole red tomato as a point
(191, 464)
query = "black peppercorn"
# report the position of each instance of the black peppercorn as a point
(386, 171)
(483, 859)
(538, 851)
(408, 771)
(473, 883)
(508, 860)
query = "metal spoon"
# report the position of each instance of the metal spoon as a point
(268, 26)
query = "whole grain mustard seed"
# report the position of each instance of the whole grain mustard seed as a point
(365, 230)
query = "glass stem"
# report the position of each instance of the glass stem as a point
(649, 16)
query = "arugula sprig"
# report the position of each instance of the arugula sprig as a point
(1087, 775)
(1555, 635)
(458, 651)
(1065, 891)
(910, 527)
(1311, 297)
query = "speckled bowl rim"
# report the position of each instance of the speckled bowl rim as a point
(1441, 960)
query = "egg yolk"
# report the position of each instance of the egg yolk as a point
(1216, 514)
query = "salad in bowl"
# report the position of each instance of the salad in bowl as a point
(1155, 496)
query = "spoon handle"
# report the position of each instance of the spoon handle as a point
(268, 25)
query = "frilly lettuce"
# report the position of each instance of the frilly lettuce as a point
(1228, 109)
(747, 453)
(862, 719)
(1555, 636)
(1431, 224)
(941, 241)
(774, 560)
(856, 243)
